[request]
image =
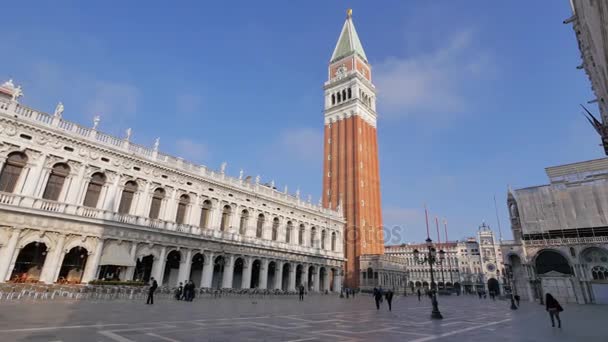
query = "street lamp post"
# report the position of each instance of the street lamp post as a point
(431, 258)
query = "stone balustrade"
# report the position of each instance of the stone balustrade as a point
(15, 109)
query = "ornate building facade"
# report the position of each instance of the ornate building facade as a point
(470, 265)
(351, 176)
(560, 235)
(77, 204)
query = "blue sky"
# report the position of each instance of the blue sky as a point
(473, 96)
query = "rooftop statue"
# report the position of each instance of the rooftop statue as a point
(58, 110)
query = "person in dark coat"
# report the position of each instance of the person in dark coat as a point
(179, 291)
(153, 287)
(301, 289)
(191, 287)
(517, 298)
(554, 309)
(419, 294)
(378, 297)
(389, 298)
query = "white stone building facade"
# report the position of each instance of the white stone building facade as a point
(77, 204)
(560, 235)
(470, 265)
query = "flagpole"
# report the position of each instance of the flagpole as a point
(426, 215)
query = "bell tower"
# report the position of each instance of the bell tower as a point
(351, 177)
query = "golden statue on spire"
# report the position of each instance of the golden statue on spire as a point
(349, 13)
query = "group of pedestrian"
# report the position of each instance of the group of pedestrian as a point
(349, 292)
(185, 292)
(379, 295)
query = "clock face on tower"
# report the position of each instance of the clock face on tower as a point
(491, 267)
(341, 71)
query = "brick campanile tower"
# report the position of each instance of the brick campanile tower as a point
(351, 178)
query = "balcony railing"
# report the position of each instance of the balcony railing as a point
(158, 224)
(14, 109)
(567, 241)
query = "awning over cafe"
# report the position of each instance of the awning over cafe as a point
(116, 254)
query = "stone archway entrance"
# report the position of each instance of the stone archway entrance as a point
(143, 268)
(285, 276)
(299, 270)
(237, 273)
(171, 272)
(30, 261)
(196, 270)
(272, 271)
(72, 266)
(255, 274)
(311, 278)
(493, 286)
(218, 272)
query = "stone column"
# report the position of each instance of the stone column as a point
(264, 274)
(50, 263)
(247, 269)
(75, 186)
(278, 275)
(158, 268)
(90, 270)
(337, 281)
(195, 212)
(292, 278)
(228, 272)
(315, 278)
(170, 206)
(7, 254)
(110, 203)
(207, 270)
(33, 177)
(143, 197)
(185, 264)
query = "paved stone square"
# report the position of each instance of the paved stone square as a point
(318, 318)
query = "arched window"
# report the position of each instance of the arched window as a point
(182, 207)
(313, 236)
(225, 224)
(205, 212)
(56, 180)
(333, 99)
(344, 94)
(126, 199)
(333, 241)
(301, 235)
(288, 231)
(12, 170)
(549, 260)
(157, 201)
(275, 228)
(339, 97)
(260, 226)
(350, 93)
(323, 236)
(243, 223)
(599, 273)
(94, 190)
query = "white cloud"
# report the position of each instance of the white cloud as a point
(112, 100)
(305, 144)
(430, 82)
(191, 150)
(188, 103)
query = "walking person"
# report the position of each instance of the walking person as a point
(419, 294)
(389, 299)
(377, 297)
(552, 305)
(153, 287)
(301, 288)
(179, 291)
(517, 299)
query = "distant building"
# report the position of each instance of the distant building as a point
(470, 265)
(560, 235)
